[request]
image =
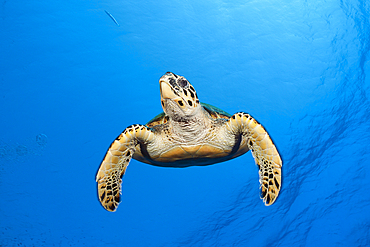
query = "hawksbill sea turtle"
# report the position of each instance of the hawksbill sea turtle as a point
(189, 133)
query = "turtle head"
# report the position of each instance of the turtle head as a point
(178, 97)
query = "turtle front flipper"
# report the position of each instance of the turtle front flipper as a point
(264, 153)
(115, 162)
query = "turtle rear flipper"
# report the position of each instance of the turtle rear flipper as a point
(115, 162)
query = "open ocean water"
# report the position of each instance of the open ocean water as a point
(74, 74)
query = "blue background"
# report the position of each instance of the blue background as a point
(71, 80)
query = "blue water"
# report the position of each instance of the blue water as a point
(72, 78)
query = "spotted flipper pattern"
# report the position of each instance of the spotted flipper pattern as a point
(115, 162)
(264, 153)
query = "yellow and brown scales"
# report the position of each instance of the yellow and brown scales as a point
(189, 133)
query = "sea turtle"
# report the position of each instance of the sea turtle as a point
(189, 133)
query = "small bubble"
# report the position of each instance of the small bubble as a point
(42, 139)
(21, 150)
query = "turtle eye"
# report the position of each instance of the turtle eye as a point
(182, 83)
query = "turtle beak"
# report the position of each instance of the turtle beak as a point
(167, 91)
